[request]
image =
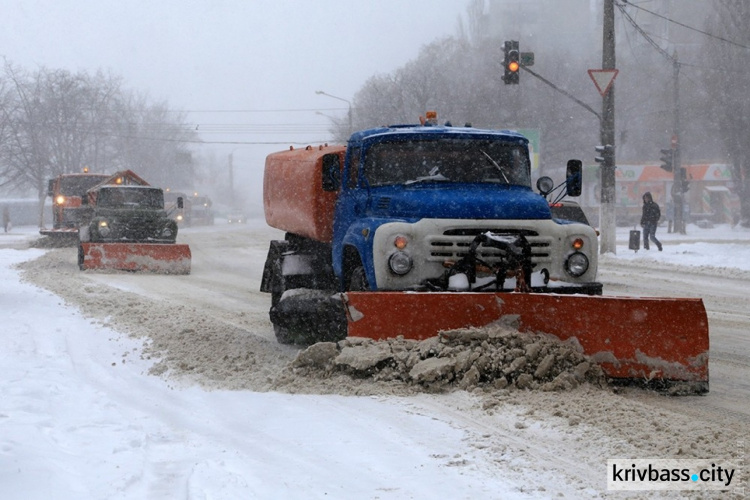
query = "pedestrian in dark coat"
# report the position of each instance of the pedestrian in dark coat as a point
(6, 219)
(649, 220)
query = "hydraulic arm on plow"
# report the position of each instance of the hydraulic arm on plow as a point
(411, 230)
(514, 258)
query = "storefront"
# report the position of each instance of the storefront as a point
(710, 195)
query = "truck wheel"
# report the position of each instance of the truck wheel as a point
(283, 335)
(309, 316)
(358, 280)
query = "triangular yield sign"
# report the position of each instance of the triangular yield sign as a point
(603, 79)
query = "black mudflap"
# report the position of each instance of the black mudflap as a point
(308, 316)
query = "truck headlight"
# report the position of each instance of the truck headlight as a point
(400, 263)
(103, 228)
(577, 264)
(169, 230)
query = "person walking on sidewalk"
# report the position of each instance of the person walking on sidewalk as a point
(6, 219)
(649, 220)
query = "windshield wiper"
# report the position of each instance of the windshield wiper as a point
(434, 175)
(438, 177)
(498, 167)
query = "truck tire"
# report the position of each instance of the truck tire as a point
(283, 335)
(357, 281)
(309, 316)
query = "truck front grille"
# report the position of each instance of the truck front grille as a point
(453, 244)
(138, 229)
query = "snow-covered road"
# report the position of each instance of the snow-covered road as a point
(84, 414)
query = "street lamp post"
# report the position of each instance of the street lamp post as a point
(231, 174)
(349, 114)
(231, 178)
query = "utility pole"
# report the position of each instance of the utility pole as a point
(231, 179)
(607, 222)
(678, 195)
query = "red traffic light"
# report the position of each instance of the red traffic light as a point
(511, 62)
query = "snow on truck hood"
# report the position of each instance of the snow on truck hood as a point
(425, 132)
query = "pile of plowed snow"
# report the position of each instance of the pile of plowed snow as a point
(189, 342)
(496, 357)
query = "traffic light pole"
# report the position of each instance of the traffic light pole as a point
(607, 222)
(563, 92)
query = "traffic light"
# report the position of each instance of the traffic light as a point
(667, 159)
(682, 181)
(605, 152)
(511, 62)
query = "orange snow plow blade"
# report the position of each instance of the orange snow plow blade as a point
(153, 257)
(633, 338)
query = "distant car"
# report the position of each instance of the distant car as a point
(568, 210)
(236, 218)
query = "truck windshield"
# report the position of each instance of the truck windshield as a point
(447, 160)
(130, 197)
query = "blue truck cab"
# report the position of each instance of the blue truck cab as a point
(412, 199)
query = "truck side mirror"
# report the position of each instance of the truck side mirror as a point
(573, 178)
(331, 172)
(51, 187)
(180, 204)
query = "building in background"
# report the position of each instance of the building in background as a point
(710, 199)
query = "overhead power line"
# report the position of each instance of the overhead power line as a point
(645, 35)
(199, 141)
(711, 35)
(663, 52)
(313, 110)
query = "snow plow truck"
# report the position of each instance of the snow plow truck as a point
(68, 192)
(414, 229)
(127, 228)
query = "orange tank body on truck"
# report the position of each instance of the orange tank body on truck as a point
(293, 195)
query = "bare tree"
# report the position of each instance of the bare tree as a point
(727, 81)
(462, 81)
(27, 154)
(153, 140)
(55, 122)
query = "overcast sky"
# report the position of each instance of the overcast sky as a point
(230, 55)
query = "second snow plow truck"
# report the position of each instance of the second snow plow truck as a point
(128, 228)
(414, 229)
(68, 192)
